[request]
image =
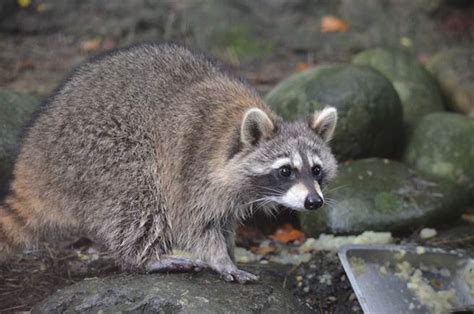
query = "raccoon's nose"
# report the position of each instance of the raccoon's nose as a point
(313, 202)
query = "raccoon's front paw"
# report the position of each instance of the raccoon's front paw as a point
(240, 276)
(172, 264)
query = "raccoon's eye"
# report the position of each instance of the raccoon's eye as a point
(285, 171)
(317, 171)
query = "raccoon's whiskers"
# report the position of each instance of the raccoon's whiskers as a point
(332, 189)
(331, 203)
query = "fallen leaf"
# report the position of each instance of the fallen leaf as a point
(330, 24)
(249, 232)
(90, 45)
(108, 44)
(288, 234)
(262, 250)
(301, 66)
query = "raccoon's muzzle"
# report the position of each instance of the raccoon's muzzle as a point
(313, 201)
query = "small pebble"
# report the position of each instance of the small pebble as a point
(352, 297)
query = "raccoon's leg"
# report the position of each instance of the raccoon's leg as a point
(229, 235)
(212, 248)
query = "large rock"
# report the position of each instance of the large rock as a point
(442, 145)
(418, 91)
(15, 110)
(175, 293)
(454, 70)
(382, 195)
(370, 114)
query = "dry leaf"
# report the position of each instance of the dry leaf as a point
(262, 250)
(249, 232)
(300, 67)
(90, 45)
(288, 234)
(331, 24)
(108, 44)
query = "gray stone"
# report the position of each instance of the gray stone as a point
(15, 111)
(454, 70)
(370, 113)
(174, 293)
(383, 195)
(418, 91)
(442, 145)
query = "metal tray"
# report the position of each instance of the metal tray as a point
(385, 292)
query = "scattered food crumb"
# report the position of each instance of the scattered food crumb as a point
(358, 265)
(284, 257)
(469, 277)
(420, 250)
(244, 256)
(428, 293)
(400, 255)
(427, 233)
(330, 242)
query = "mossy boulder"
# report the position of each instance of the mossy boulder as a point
(175, 293)
(454, 70)
(370, 113)
(418, 91)
(384, 195)
(15, 110)
(442, 145)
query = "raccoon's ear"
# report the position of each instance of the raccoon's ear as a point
(324, 123)
(256, 125)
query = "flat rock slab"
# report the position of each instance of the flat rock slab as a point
(172, 293)
(385, 195)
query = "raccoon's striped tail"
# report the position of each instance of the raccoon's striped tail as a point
(15, 228)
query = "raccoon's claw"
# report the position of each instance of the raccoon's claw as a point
(239, 276)
(173, 264)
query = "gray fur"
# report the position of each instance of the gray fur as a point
(142, 149)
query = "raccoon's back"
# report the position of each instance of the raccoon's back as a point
(104, 125)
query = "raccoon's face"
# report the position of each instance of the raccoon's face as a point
(290, 163)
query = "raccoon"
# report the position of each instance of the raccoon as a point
(154, 149)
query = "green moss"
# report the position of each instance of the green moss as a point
(387, 202)
(242, 42)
